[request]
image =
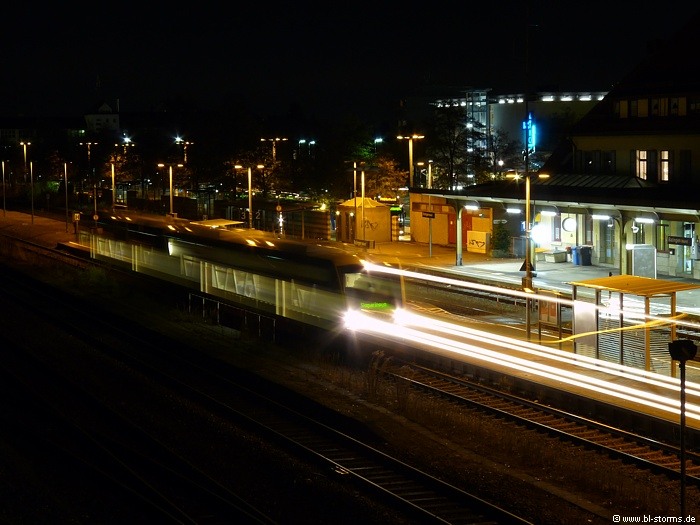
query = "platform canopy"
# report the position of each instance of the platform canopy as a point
(634, 285)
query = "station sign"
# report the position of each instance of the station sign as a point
(428, 214)
(682, 241)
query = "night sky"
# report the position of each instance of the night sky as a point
(61, 61)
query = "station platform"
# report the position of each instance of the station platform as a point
(546, 275)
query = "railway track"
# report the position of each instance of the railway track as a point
(123, 450)
(656, 457)
(616, 443)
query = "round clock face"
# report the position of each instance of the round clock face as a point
(568, 224)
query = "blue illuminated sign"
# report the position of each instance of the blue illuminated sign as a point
(530, 129)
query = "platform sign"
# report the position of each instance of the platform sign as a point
(682, 241)
(428, 215)
(549, 312)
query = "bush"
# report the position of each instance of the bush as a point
(502, 240)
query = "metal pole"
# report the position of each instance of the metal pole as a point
(364, 237)
(528, 271)
(681, 363)
(31, 178)
(4, 210)
(430, 209)
(114, 190)
(65, 184)
(250, 197)
(170, 173)
(354, 196)
(410, 162)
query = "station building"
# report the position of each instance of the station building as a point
(625, 185)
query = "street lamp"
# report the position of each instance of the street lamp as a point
(31, 178)
(364, 238)
(410, 139)
(682, 350)
(274, 141)
(65, 184)
(24, 146)
(4, 210)
(354, 196)
(528, 265)
(170, 173)
(377, 140)
(184, 143)
(308, 143)
(91, 175)
(89, 145)
(250, 191)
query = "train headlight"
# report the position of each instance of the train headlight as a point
(403, 317)
(353, 319)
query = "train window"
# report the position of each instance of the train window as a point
(373, 292)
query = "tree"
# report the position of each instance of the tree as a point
(458, 144)
(506, 154)
(502, 240)
(384, 178)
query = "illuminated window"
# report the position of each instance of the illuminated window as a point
(642, 164)
(665, 167)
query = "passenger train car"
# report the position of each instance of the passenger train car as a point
(308, 282)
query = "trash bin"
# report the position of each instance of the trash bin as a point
(585, 255)
(575, 255)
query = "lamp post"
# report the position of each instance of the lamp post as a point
(430, 219)
(88, 145)
(91, 175)
(24, 146)
(364, 238)
(250, 191)
(184, 143)
(308, 143)
(170, 173)
(410, 139)
(114, 189)
(377, 140)
(31, 178)
(4, 209)
(354, 196)
(682, 350)
(65, 184)
(274, 141)
(527, 265)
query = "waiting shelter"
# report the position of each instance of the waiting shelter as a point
(363, 221)
(620, 326)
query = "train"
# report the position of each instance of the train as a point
(311, 283)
